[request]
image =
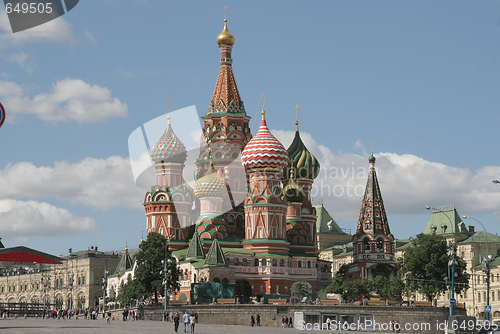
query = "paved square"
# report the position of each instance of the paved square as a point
(82, 326)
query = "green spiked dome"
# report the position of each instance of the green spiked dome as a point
(169, 148)
(306, 164)
(211, 185)
(293, 192)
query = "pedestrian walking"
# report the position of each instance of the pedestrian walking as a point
(192, 321)
(176, 321)
(185, 317)
(286, 321)
(252, 320)
(290, 322)
(258, 319)
(282, 321)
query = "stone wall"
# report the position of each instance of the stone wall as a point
(271, 314)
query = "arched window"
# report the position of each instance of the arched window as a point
(256, 262)
(282, 263)
(366, 245)
(244, 262)
(380, 245)
(236, 262)
(299, 264)
(308, 264)
(216, 280)
(275, 262)
(264, 263)
(230, 220)
(240, 223)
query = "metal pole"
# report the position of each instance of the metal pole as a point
(489, 258)
(452, 281)
(487, 288)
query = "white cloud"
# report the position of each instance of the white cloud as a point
(408, 183)
(97, 183)
(57, 30)
(20, 59)
(90, 38)
(70, 99)
(20, 219)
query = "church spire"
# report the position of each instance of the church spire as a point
(372, 217)
(226, 97)
(215, 256)
(195, 250)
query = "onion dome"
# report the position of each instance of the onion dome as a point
(293, 192)
(371, 159)
(169, 148)
(306, 164)
(211, 185)
(264, 150)
(225, 37)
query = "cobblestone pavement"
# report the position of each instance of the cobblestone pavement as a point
(82, 326)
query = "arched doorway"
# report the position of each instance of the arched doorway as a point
(243, 290)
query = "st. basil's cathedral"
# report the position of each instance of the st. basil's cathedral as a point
(249, 219)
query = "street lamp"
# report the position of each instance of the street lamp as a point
(104, 285)
(452, 263)
(486, 268)
(166, 275)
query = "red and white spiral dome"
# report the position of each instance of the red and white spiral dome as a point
(264, 150)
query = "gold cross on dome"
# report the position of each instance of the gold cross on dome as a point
(168, 104)
(297, 116)
(371, 145)
(263, 97)
(225, 13)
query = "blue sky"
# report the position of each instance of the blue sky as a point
(420, 80)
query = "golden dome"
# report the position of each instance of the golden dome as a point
(225, 37)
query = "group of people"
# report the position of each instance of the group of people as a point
(254, 320)
(287, 322)
(189, 320)
(128, 315)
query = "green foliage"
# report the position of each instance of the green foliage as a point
(301, 289)
(130, 291)
(354, 290)
(425, 266)
(149, 272)
(391, 289)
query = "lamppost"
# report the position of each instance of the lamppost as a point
(452, 262)
(489, 258)
(104, 285)
(46, 283)
(166, 275)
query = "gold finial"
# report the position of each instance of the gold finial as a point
(263, 97)
(292, 172)
(225, 37)
(371, 145)
(297, 116)
(126, 247)
(142, 239)
(168, 104)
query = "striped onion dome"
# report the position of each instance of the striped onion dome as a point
(306, 164)
(264, 150)
(211, 185)
(169, 148)
(293, 192)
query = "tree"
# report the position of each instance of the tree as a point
(425, 266)
(130, 291)
(337, 280)
(387, 288)
(301, 289)
(149, 272)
